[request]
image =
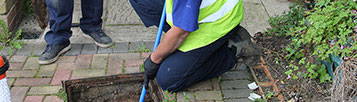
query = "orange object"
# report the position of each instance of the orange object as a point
(2, 63)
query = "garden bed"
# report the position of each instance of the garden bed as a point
(308, 90)
(115, 88)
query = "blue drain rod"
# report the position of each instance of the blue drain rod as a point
(157, 41)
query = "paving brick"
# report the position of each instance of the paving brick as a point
(66, 66)
(237, 100)
(215, 84)
(61, 75)
(145, 55)
(18, 59)
(126, 56)
(243, 93)
(150, 45)
(31, 63)
(114, 66)
(132, 69)
(44, 90)
(236, 75)
(236, 84)
(187, 97)
(208, 95)
(32, 81)
(47, 70)
(52, 99)
(105, 50)
(240, 67)
(201, 86)
(134, 63)
(89, 49)
(135, 46)
(75, 50)
(121, 47)
(26, 50)
(88, 72)
(83, 61)
(18, 93)
(38, 49)
(99, 61)
(10, 81)
(66, 59)
(5, 51)
(16, 66)
(34, 98)
(21, 73)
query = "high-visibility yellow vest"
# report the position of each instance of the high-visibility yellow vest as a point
(216, 19)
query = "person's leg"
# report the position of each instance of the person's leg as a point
(60, 21)
(91, 22)
(58, 37)
(182, 69)
(149, 12)
(92, 12)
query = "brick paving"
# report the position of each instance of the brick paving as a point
(37, 83)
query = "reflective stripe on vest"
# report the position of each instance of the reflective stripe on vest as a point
(216, 19)
(228, 6)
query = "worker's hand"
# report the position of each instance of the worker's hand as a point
(151, 69)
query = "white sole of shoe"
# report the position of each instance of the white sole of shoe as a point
(55, 58)
(98, 44)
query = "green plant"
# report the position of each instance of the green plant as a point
(169, 97)
(142, 68)
(9, 39)
(188, 97)
(283, 24)
(62, 95)
(219, 79)
(326, 31)
(269, 95)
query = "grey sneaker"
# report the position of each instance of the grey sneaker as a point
(243, 46)
(100, 38)
(52, 52)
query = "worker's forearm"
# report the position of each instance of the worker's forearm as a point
(170, 43)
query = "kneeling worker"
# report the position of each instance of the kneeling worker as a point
(195, 46)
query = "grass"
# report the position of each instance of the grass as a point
(62, 95)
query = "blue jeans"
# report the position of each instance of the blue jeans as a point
(182, 69)
(61, 12)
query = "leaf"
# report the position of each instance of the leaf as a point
(310, 70)
(296, 68)
(295, 77)
(289, 72)
(270, 94)
(302, 61)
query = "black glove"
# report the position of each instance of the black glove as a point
(151, 69)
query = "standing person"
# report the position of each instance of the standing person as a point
(201, 40)
(61, 12)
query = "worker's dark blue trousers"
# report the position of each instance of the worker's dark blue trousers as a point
(61, 12)
(182, 69)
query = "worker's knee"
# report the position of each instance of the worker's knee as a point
(165, 82)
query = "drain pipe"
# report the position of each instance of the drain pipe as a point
(4, 87)
(157, 41)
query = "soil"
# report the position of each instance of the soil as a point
(126, 89)
(299, 90)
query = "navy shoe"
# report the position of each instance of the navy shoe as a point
(100, 38)
(52, 52)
